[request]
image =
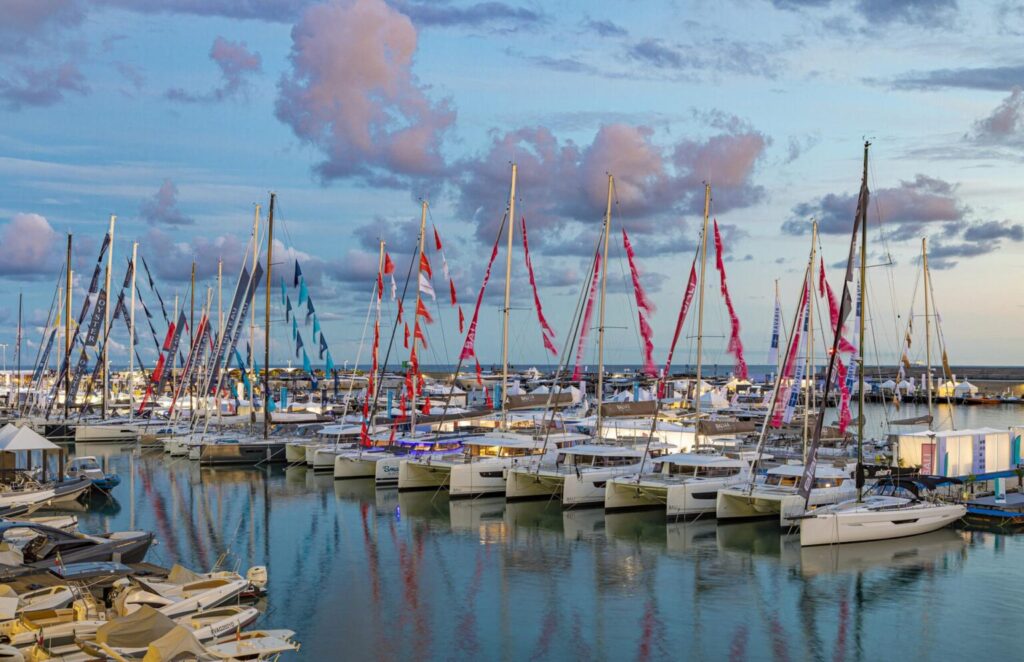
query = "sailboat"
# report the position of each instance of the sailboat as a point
(894, 508)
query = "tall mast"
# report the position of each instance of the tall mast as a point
(700, 310)
(600, 310)
(191, 331)
(508, 294)
(67, 330)
(106, 320)
(17, 358)
(266, 326)
(131, 339)
(252, 313)
(415, 316)
(809, 370)
(927, 323)
(863, 318)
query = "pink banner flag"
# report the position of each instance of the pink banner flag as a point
(735, 343)
(545, 329)
(587, 313)
(691, 287)
(644, 308)
(468, 347)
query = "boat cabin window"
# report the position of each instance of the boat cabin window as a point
(832, 481)
(690, 471)
(500, 451)
(86, 464)
(781, 480)
(888, 489)
(717, 472)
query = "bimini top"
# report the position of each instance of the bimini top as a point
(822, 471)
(701, 460)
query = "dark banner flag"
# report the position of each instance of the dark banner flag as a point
(217, 358)
(254, 283)
(172, 351)
(45, 357)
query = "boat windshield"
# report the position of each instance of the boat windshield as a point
(87, 464)
(574, 459)
(700, 471)
(781, 480)
(888, 489)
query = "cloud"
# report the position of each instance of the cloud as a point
(475, 15)
(29, 247)
(236, 62)
(799, 145)
(351, 94)
(27, 24)
(718, 55)
(604, 27)
(172, 260)
(991, 230)
(41, 86)
(904, 210)
(921, 13)
(131, 74)
(1004, 123)
(563, 186)
(162, 208)
(265, 10)
(1000, 79)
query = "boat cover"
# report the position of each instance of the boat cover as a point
(178, 644)
(136, 630)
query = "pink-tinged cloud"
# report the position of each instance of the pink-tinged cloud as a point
(162, 208)
(28, 86)
(563, 188)
(237, 64)
(29, 247)
(25, 23)
(351, 94)
(1005, 122)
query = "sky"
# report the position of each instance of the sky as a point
(179, 116)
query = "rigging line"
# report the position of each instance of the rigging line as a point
(39, 350)
(941, 337)
(886, 404)
(351, 378)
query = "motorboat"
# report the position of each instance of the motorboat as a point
(51, 547)
(892, 508)
(685, 485)
(86, 466)
(777, 495)
(107, 432)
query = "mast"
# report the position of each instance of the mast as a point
(266, 323)
(17, 358)
(106, 321)
(252, 315)
(927, 323)
(67, 330)
(131, 339)
(600, 313)
(809, 369)
(416, 319)
(191, 331)
(700, 310)
(508, 294)
(863, 318)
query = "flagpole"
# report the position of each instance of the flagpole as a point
(508, 293)
(106, 322)
(863, 317)
(131, 340)
(416, 314)
(67, 335)
(700, 312)
(266, 328)
(17, 358)
(600, 313)
(927, 322)
(252, 316)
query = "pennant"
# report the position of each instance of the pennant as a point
(389, 266)
(546, 331)
(426, 288)
(644, 308)
(437, 239)
(426, 401)
(406, 341)
(329, 366)
(309, 310)
(462, 320)
(303, 292)
(479, 377)
(421, 311)
(284, 292)
(295, 327)
(394, 295)
(323, 346)
(380, 286)
(468, 346)
(735, 346)
(399, 320)
(316, 326)
(451, 288)
(418, 335)
(298, 276)
(306, 366)
(587, 314)
(288, 309)
(298, 344)
(425, 265)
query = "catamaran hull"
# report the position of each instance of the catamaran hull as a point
(788, 506)
(109, 434)
(476, 479)
(218, 454)
(413, 476)
(524, 484)
(295, 453)
(837, 528)
(386, 468)
(349, 466)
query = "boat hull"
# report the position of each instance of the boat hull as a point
(832, 528)
(786, 505)
(107, 434)
(242, 453)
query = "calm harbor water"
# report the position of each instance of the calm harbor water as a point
(361, 573)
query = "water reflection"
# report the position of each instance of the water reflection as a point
(379, 575)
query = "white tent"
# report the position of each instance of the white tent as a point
(965, 388)
(14, 438)
(887, 385)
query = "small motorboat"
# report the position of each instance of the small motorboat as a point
(51, 547)
(86, 466)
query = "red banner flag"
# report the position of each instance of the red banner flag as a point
(479, 377)
(417, 334)
(644, 308)
(399, 311)
(451, 288)
(421, 311)
(587, 313)
(389, 266)
(545, 329)
(468, 347)
(462, 320)
(406, 342)
(691, 287)
(425, 265)
(735, 343)
(437, 238)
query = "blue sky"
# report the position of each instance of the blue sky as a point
(179, 116)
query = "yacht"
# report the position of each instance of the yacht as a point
(777, 496)
(382, 463)
(685, 485)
